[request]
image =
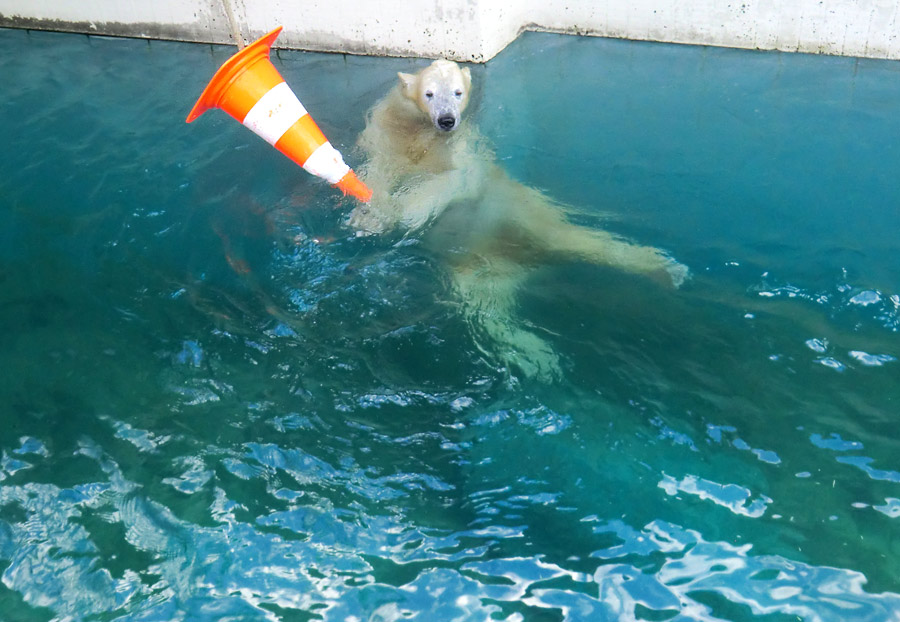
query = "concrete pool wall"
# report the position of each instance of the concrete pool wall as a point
(476, 30)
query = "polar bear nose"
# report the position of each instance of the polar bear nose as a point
(446, 122)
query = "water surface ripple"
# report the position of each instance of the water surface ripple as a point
(219, 404)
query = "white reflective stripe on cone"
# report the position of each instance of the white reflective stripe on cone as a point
(274, 113)
(326, 162)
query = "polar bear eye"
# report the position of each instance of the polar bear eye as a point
(429, 94)
(458, 93)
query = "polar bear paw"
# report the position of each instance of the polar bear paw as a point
(678, 272)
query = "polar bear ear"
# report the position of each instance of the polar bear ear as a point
(467, 75)
(407, 83)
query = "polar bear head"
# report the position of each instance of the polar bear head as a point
(440, 90)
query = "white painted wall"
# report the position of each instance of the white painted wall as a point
(476, 30)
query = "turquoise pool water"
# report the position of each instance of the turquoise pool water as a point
(208, 415)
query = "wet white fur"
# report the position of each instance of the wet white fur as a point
(492, 230)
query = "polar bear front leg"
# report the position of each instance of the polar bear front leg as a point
(602, 247)
(551, 230)
(408, 209)
(419, 203)
(544, 223)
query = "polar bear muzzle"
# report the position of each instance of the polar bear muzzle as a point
(446, 122)
(443, 106)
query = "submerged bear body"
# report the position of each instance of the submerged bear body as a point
(434, 176)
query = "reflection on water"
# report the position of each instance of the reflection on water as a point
(220, 404)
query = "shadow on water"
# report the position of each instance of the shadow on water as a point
(221, 404)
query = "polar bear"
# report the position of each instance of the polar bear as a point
(433, 176)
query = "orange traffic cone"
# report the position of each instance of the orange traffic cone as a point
(250, 89)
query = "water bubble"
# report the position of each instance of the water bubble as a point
(833, 363)
(872, 360)
(461, 403)
(817, 345)
(866, 298)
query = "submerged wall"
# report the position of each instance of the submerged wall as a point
(476, 30)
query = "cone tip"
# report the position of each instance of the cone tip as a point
(199, 108)
(352, 185)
